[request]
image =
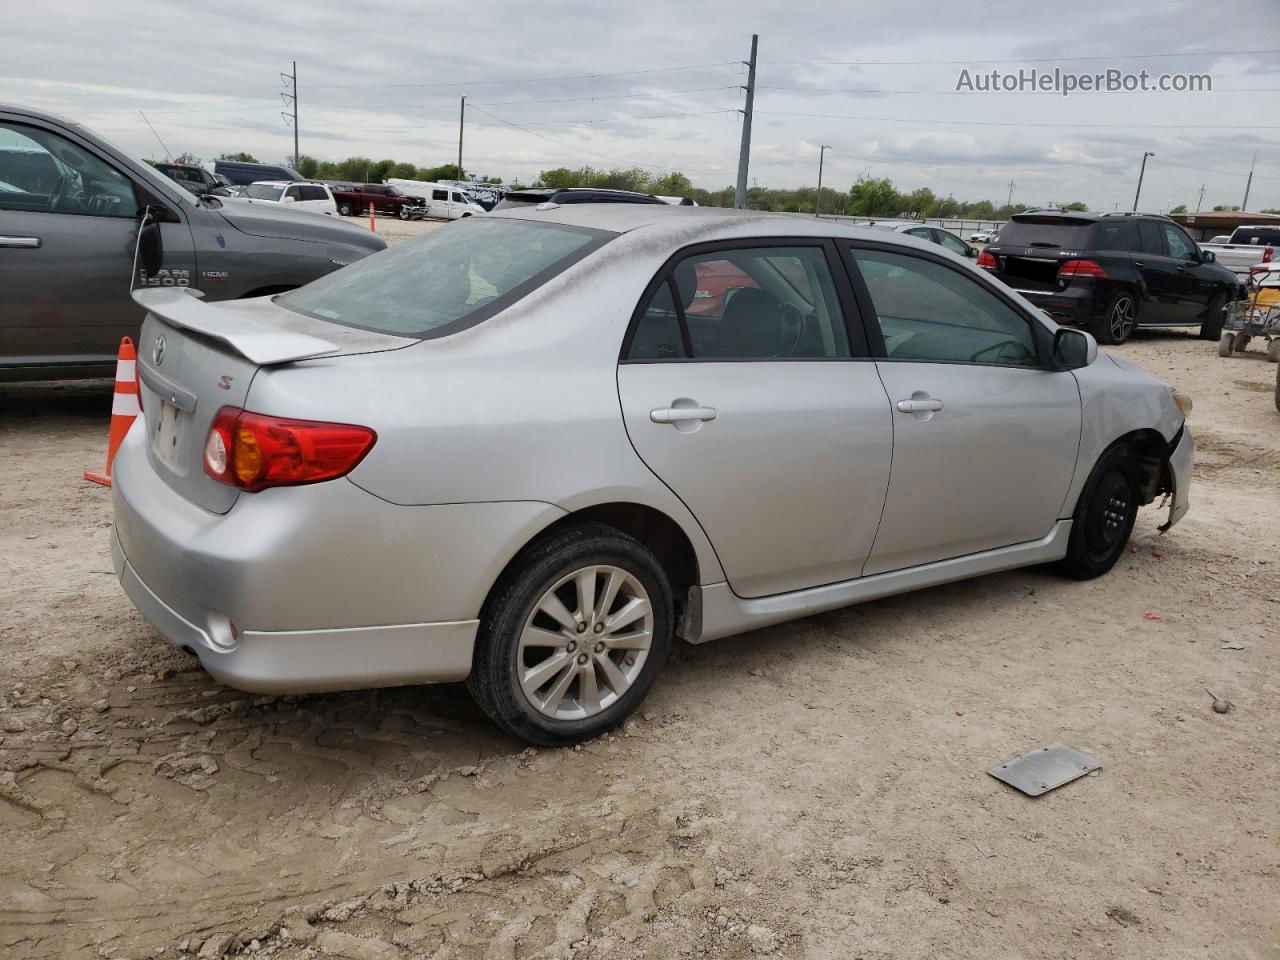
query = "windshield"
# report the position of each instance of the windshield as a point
(263, 191)
(1045, 232)
(445, 280)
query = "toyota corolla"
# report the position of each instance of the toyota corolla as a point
(520, 450)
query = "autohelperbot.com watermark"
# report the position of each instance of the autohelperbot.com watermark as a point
(1059, 81)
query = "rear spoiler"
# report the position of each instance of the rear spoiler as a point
(260, 343)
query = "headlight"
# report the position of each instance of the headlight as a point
(1183, 401)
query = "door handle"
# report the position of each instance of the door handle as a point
(919, 406)
(681, 414)
(1138, 265)
(21, 243)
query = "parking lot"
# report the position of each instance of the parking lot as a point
(814, 789)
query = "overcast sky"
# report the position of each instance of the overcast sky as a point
(375, 80)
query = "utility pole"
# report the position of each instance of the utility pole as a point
(1141, 174)
(744, 154)
(1244, 204)
(1009, 201)
(462, 119)
(1201, 199)
(291, 100)
(817, 201)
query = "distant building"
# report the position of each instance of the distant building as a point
(1212, 223)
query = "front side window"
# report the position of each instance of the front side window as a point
(1181, 247)
(446, 279)
(45, 173)
(763, 303)
(930, 312)
(954, 244)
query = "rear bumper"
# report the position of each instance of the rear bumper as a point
(1181, 457)
(308, 661)
(1073, 305)
(328, 587)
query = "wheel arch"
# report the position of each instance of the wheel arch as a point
(1152, 453)
(656, 529)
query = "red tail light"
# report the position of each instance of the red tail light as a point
(253, 451)
(1266, 255)
(1081, 268)
(986, 261)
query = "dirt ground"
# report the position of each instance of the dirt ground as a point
(816, 789)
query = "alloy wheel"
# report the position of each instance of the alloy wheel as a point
(584, 643)
(1121, 319)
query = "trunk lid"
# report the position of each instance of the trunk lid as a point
(1031, 249)
(195, 358)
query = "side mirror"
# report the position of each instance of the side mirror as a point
(1209, 256)
(1073, 349)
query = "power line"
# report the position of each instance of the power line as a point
(1014, 123)
(1112, 56)
(986, 93)
(569, 76)
(578, 149)
(622, 96)
(652, 116)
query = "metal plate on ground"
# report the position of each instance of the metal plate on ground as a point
(1041, 770)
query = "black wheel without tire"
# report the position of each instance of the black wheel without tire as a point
(1104, 516)
(1118, 322)
(572, 636)
(1214, 317)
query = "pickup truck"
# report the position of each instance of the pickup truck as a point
(1248, 246)
(356, 199)
(82, 225)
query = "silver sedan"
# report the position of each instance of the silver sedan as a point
(531, 449)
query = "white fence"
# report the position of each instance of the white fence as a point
(957, 226)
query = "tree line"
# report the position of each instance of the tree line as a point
(867, 197)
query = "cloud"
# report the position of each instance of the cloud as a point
(384, 80)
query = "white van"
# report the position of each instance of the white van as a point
(444, 202)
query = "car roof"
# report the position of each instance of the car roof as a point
(684, 225)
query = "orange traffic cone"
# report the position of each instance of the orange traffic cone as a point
(124, 407)
(373, 224)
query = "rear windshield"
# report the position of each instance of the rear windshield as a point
(263, 191)
(520, 200)
(1256, 235)
(445, 280)
(1045, 232)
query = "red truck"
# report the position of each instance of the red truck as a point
(353, 200)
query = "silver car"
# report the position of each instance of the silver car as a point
(531, 449)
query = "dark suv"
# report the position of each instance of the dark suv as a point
(520, 198)
(1111, 272)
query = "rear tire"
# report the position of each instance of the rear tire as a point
(1119, 321)
(560, 677)
(1214, 318)
(1104, 516)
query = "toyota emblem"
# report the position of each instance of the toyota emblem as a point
(157, 353)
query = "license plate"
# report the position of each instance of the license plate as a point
(167, 434)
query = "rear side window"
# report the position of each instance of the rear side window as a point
(1046, 232)
(445, 280)
(1115, 234)
(313, 193)
(1149, 237)
(439, 194)
(761, 303)
(929, 312)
